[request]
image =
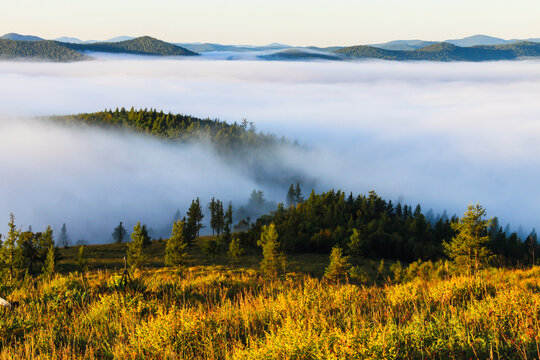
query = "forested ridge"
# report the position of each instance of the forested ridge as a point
(40, 50)
(176, 127)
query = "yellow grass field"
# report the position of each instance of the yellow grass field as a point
(228, 311)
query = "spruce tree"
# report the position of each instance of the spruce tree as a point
(135, 252)
(50, 261)
(64, 237)
(235, 249)
(175, 250)
(9, 249)
(339, 265)
(194, 221)
(81, 259)
(119, 233)
(273, 261)
(468, 248)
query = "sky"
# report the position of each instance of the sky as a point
(294, 22)
(444, 135)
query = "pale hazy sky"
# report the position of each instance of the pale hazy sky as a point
(296, 22)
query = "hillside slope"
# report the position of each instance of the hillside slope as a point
(144, 45)
(38, 50)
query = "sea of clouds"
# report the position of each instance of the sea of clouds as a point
(440, 134)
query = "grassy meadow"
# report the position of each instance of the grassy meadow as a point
(227, 310)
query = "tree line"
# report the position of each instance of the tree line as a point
(227, 137)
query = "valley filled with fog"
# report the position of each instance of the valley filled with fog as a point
(440, 134)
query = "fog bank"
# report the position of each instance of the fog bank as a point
(442, 134)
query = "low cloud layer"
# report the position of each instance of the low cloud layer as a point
(441, 134)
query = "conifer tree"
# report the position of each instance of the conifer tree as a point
(211, 247)
(175, 250)
(227, 223)
(135, 252)
(81, 259)
(119, 233)
(50, 261)
(273, 261)
(64, 237)
(235, 249)
(468, 248)
(339, 265)
(9, 250)
(355, 243)
(194, 221)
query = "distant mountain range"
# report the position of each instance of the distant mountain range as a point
(475, 40)
(69, 51)
(473, 48)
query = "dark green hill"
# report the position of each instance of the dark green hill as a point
(144, 45)
(174, 127)
(297, 54)
(521, 49)
(370, 52)
(433, 52)
(38, 50)
(449, 52)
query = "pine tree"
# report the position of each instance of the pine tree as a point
(227, 222)
(211, 247)
(81, 259)
(175, 250)
(273, 259)
(355, 244)
(339, 265)
(64, 237)
(119, 233)
(213, 220)
(50, 261)
(298, 194)
(9, 250)
(135, 252)
(468, 248)
(194, 221)
(291, 195)
(235, 249)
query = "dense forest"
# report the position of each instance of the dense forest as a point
(368, 226)
(177, 127)
(56, 51)
(40, 50)
(144, 45)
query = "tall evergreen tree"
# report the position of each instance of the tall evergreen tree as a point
(50, 261)
(64, 237)
(273, 261)
(135, 252)
(468, 248)
(119, 233)
(194, 221)
(339, 265)
(175, 250)
(9, 248)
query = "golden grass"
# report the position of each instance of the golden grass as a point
(227, 312)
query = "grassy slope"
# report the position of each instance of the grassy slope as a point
(218, 312)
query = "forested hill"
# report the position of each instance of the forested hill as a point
(38, 50)
(144, 45)
(443, 52)
(446, 52)
(371, 227)
(227, 137)
(64, 52)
